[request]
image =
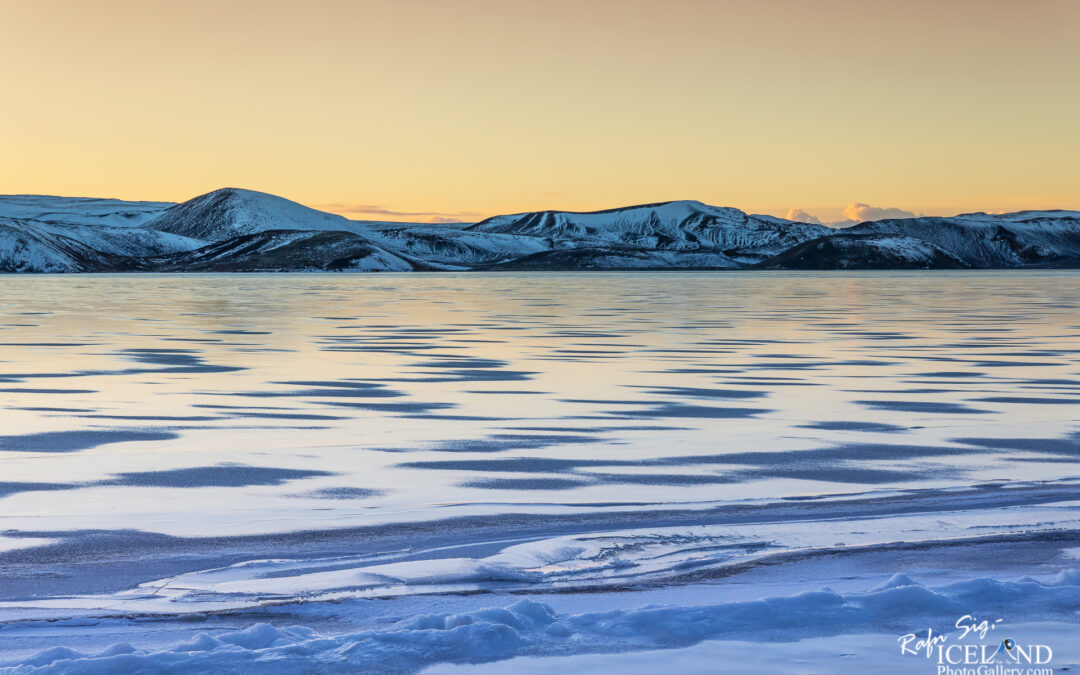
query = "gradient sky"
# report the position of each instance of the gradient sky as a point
(420, 110)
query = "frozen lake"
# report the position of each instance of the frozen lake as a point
(216, 448)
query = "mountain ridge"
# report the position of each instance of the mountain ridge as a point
(232, 229)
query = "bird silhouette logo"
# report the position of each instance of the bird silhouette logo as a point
(1007, 645)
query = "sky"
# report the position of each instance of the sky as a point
(433, 110)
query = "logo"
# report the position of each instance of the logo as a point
(976, 650)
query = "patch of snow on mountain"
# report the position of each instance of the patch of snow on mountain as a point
(453, 245)
(288, 250)
(126, 241)
(81, 210)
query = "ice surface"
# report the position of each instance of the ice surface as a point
(404, 470)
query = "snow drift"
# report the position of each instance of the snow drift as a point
(533, 628)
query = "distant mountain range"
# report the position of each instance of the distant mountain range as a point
(232, 230)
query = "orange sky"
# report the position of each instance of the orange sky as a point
(415, 110)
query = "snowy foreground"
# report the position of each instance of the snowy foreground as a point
(748, 472)
(786, 634)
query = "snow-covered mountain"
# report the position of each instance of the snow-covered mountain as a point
(871, 251)
(670, 226)
(220, 230)
(970, 240)
(37, 246)
(24, 248)
(231, 212)
(243, 230)
(41, 233)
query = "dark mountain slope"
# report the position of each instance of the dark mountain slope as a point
(286, 251)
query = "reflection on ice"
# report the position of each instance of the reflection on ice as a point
(71, 441)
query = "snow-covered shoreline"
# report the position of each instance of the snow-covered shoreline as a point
(761, 580)
(534, 628)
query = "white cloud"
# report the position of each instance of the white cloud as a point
(858, 212)
(800, 216)
(852, 214)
